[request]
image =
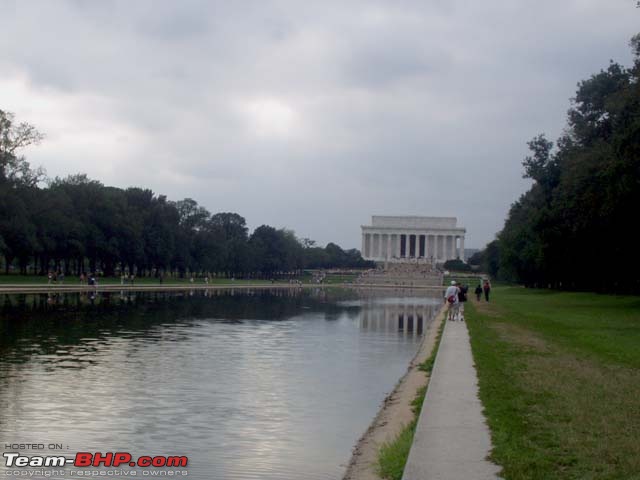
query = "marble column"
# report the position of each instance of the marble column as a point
(373, 245)
(388, 253)
(462, 257)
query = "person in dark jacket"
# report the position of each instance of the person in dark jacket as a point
(478, 292)
(462, 298)
(487, 289)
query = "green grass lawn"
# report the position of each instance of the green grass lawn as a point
(341, 278)
(14, 279)
(73, 280)
(469, 279)
(559, 377)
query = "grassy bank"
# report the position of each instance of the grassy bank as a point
(559, 377)
(470, 279)
(392, 457)
(14, 279)
(73, 280)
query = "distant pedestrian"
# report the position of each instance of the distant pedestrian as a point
(478, 292)
(486, 287)
(452, 301)
(462, 297)
(49, 278)
(133, 279)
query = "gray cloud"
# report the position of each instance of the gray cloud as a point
(309, 115)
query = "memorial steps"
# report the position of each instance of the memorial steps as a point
(402, 275)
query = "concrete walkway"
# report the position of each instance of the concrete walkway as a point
(451, 440)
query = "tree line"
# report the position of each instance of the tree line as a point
(573, 229)
(78, 225)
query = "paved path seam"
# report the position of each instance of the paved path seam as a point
(452, 440)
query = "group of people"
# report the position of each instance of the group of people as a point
(55, 277)
(88, 279)
(125, 278)
(485, 288)
(456, 295)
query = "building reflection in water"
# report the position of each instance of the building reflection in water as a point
(409, 314)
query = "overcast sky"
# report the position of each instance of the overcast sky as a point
(306, 115)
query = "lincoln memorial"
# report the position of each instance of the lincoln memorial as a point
(396, 239)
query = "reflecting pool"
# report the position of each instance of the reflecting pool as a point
(268, 384)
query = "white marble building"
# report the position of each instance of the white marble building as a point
(400, 238)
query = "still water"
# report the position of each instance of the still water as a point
(248, 384)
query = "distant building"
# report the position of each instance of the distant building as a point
(401, 238)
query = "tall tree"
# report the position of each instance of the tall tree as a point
(14, 137)
(562, 232)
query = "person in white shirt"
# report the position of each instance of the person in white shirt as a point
(452, 301)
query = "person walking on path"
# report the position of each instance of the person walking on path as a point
(478, 292)
(462, 297)
(487, 289)
(452, 301)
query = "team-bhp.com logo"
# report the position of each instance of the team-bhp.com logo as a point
(87, 459)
